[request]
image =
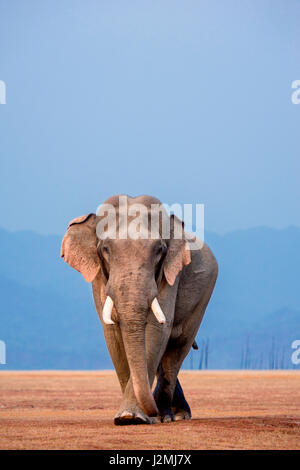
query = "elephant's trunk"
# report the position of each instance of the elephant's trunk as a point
(132, 294)
(133, 333)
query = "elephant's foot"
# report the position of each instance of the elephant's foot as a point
(171, 409)
(174, 415)
(166, 415)
(181, 414)
(132, 415)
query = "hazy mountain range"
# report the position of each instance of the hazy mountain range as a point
(48, 320)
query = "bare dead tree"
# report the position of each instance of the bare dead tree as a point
(191, 359)
(272, 355)
(201, 353)
(206, 352)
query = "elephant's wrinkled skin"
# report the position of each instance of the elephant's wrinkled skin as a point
(132, 273)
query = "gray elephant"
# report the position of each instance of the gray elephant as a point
(150, 294)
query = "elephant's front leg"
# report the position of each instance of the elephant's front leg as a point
(113, 336)
(168, 393)
(157, 337)
(115, 346)
(170, 398)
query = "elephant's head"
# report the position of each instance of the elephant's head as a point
(133, 270)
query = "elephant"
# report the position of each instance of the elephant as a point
(151, 294)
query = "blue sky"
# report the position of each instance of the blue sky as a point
(187, 101)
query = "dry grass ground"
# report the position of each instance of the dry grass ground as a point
(74, 410)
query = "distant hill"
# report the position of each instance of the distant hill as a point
(48, 320)
(259, 274)
(264, 345)
(45, 330)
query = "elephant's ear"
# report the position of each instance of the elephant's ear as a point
(178, 254)
(79, 246)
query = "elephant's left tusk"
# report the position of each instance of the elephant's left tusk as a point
(159, 314)
(107, 309)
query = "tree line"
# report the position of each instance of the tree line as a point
(276, 357)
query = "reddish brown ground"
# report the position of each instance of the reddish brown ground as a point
(74, 410)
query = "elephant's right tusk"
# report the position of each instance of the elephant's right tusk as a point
(159, 314)
(107, 309)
